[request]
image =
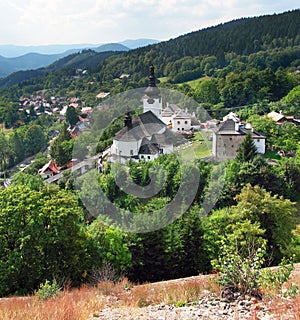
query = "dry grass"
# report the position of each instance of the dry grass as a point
(76, 304)
(177, 292)
(81, 304)
(283, 309)
(286, 308)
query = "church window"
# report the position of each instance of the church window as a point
(131, 152)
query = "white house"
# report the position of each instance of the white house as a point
(145, 137)
(179, 120)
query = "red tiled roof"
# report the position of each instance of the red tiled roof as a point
(51, 166)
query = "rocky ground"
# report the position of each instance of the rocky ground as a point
(209, 307)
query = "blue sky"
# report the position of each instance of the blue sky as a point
(41, 22)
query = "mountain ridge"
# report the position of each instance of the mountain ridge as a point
(181, 58)
(34, 57)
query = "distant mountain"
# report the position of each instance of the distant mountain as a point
(84, 59)
(26, 62)
(111, 47)
(138, 43)
(10, 51)
(19, 58)
(31, 61)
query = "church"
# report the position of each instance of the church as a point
(145, 137)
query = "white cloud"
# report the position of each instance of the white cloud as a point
(99, 21)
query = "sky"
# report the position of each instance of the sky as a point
(44, 22)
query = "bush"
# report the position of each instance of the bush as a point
(273, 279)
(243, 274)
(48, 290)
(240, 274)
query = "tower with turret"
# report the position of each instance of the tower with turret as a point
(152, 100)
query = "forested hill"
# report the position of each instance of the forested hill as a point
(84, 59)
(241, 37)
(267, 41)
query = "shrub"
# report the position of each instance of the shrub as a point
(243, 274)
(48, 290)
(273, 279)
(240, 274)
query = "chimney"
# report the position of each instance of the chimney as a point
(128, 120)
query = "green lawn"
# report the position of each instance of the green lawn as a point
(197, 147)
(272, 155)
(163, 79)
(194, 83)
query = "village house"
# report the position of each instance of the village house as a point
(229, 135)
(179, 120)
(49, 169)
(280, 118)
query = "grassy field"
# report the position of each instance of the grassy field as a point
(194, 83)
(198, 147)
(163, 79)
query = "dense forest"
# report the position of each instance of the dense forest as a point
(250, 66)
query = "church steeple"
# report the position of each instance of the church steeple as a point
(152, 77)
(152, 90)
(152, 100)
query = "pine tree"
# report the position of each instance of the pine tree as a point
(247, 150)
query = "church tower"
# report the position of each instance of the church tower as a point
(152, 100)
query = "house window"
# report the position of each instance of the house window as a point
(131, 152)
(230, 139)
(182, 129)
(257, 140)
(232, 146)
(178, 122)
(149, 157)
(142, 157)
(185, 122)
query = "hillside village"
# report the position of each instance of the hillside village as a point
(155, 132)
(101, 200)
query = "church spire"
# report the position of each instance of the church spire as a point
(152, 77)
(152, 90)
